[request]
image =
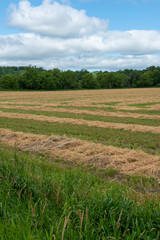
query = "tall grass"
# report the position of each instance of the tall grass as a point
(42, 200)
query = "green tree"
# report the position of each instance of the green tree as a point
(32, 78)
(89, 81)
(69, 80)
(119, 80)
(57, 77)
(146, 79)
(156, 77)
(9, 82)
(48, 81)
(105, 80)
(136, 77)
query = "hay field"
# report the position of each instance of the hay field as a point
(117, 129)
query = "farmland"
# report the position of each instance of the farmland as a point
(101, 144)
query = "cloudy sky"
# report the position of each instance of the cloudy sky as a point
(76, 34)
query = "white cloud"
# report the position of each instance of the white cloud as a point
(63, 37)
(33, 46)
(133, 42)
(54, 19)
(110, 62)
(25, 49)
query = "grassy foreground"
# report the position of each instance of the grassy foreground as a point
(45, 200)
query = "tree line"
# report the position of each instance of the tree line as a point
(33, 78)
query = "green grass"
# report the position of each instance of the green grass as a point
(64, 103)
(111, 172)
(125, 120)
(42, 200)
(143, 111)
(90, 108)
(147, 141)
(16, 104)
(144, 105)
(106, 103)
(5, 99)
(109, 109)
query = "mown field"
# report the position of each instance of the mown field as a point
(80, 164)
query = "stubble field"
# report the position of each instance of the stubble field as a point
(117, 129)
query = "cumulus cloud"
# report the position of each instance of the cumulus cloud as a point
(54, 19)
(31, 46)
(63, 37)
(133, 42)
(109, 62)
(92, 53)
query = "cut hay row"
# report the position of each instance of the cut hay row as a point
(146, 141)
(130, 127)
(78, 111)
(84, 116)
(97, 155)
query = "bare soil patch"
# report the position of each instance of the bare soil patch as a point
(97, 155)
(131, 127)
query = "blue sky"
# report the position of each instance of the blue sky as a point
(91, 34)
(125, 14)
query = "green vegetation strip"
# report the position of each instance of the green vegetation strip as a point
(42, 200)
(106, 103)
(144, 105)
(105, 109)
(16, 104)
(147, 141)
(110, 109)
(90, 108)
(147, 112)
(126, 120)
